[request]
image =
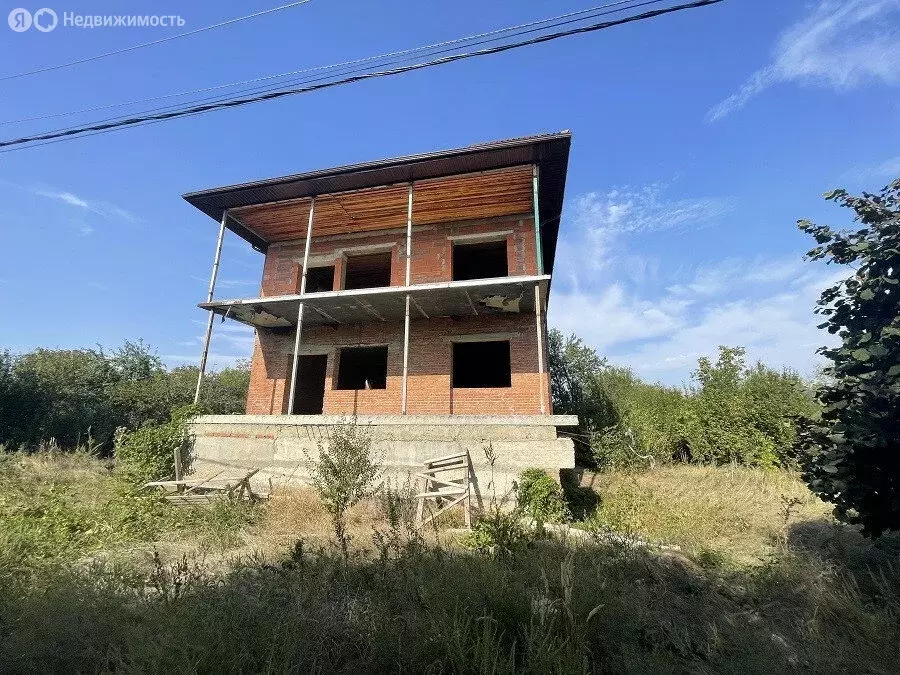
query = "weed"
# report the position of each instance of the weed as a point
(344, 473)
(400, 537)
(540, 497)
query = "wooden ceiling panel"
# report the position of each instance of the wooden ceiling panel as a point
(464, 197)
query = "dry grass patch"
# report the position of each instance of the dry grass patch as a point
(296, 512)
(293, 513)
(741, 511)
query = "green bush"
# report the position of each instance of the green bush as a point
(66, 395)
(731, 413)
(498, 532)
(344, 473)
(60, 507)
(541, 497)
(148, 453)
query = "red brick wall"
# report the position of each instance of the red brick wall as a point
(430, 360)
(431, 260)
(430, 352)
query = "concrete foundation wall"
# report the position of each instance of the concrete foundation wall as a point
(278, 445)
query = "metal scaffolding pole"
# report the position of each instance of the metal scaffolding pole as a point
(409, 220)
(294, 373)
(540, 345)
(537, 220)
(209, 297)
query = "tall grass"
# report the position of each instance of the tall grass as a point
(60, 507)
(554, 608)
(734, 510)
(816, 598)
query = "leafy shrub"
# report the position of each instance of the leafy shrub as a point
(344, 473)
(499, 532)
(540, 497)
(853, 453)
(732, 413)
(68, 394)
(60, 507)
(148, 453)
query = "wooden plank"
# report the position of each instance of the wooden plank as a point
(445, 508)
(444, 469)
(439, 480)
(441, 493)
(452, 198)
(439, 460)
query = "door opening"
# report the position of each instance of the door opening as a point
(309, 392)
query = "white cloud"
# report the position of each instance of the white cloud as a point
(231, 342)
(66, 197)
(659, 315)
(228, 283)
(229, 335)
(600, 219)
(214, 361)
(612, 316)
(83, 228)
(841, 44)
(101, 208)
(766, 307)
(889, 168)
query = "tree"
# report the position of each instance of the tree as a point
(23, 403)
(136, 361)
(76, 384)
(852, 454)
(574, 390)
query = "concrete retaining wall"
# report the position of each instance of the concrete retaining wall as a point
(278, 445)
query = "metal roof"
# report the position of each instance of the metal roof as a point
(549, 151)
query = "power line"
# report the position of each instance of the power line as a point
(231, 103)
(132, 48)
(369, 59)
(549, 23)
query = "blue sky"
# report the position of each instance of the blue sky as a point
(699, 139)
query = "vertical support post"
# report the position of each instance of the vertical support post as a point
(294, 366)
(409, 220)
(540, 344)
(537, 220)
(209, 297)
(312, 208)
(179, 466)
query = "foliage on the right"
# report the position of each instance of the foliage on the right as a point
(732, 412)
(852, 454)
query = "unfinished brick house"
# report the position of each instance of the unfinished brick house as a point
(409, 293)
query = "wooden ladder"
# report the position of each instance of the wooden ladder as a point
(446, 492)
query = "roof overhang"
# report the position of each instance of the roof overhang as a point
(506, 295)
(549, 152)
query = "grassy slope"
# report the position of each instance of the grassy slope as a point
(796, 595)
(741, 513)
